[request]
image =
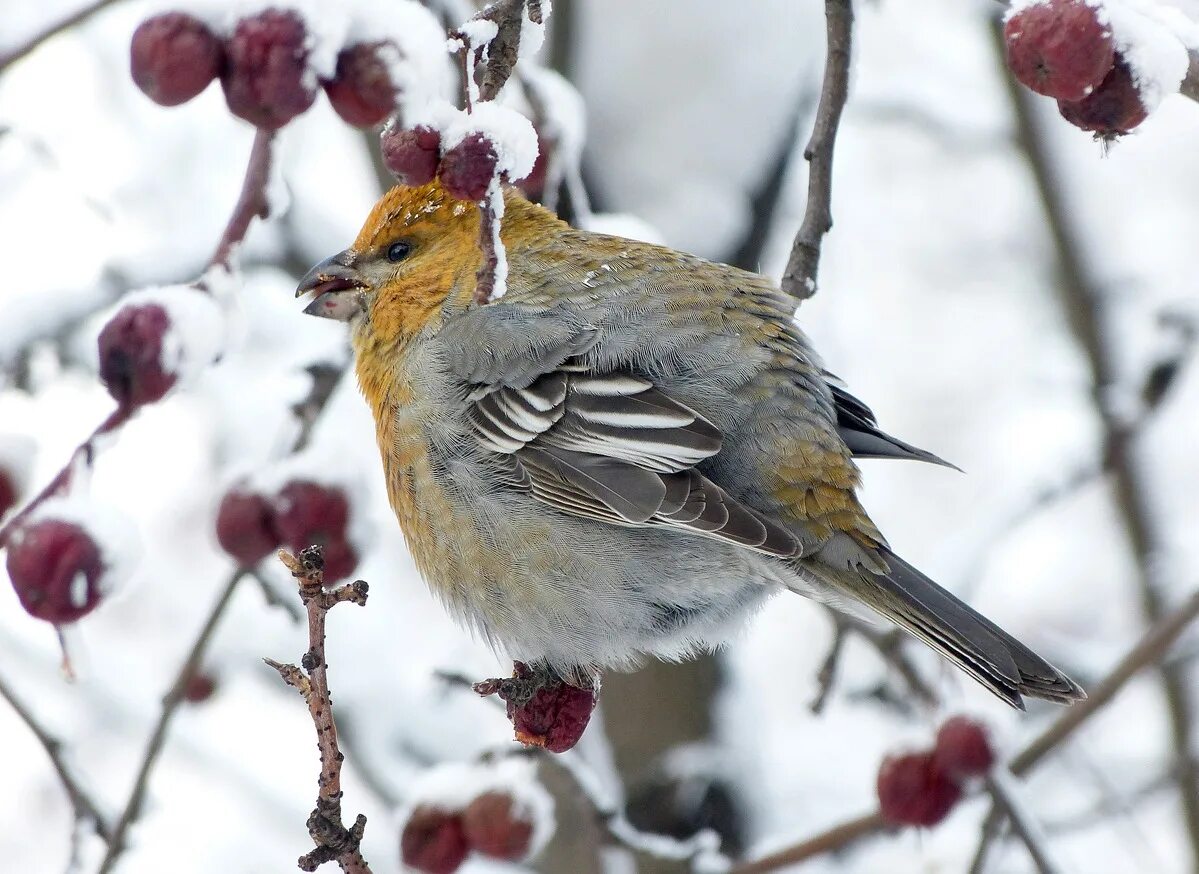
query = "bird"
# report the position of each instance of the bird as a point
(626, 454)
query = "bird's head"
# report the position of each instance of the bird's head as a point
(419, 246)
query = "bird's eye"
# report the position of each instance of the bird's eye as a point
(398, 251)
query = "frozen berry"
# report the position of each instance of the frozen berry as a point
(494, 828)
(131, 347)
(199, 687)
(266, 79)
(308, 514)
(8, 492)
(433, 841)
(173, 57)
(551, 714)
(1059, 48)
(55, 568)
(963, 748)
(245, 526)
(361, 91)
(412, 155)
(912, 790)
(467, 169)
(1112, 109)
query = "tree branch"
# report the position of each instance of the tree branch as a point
(334, 842)
(251, 202)
(10, 57)
(836, 838)
(799, 278)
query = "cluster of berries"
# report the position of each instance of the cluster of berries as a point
(1064, 49)
(437, 840)
(263, 65)
(250, 525)
(922, 788)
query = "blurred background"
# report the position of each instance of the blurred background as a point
(948, 302)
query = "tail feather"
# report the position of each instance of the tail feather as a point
(1006, 667)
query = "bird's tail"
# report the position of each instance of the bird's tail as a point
(1005, 666)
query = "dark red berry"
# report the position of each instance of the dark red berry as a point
(412, 155)
(173, 57)
(199, 687)
(361, 91)
(912, 790)
(963, 748)
(55, 568)
(467, 169)
(340, 559)
(1112, 109)
(494, 829)
(308, 514)
(533, 185)
(1059, 48)
(556, 715)
(8, 492)
(131, 355)
(433, 841)
(266, 79)
(245, 526)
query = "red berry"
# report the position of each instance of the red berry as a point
(131, 355)
(173, 57)
(533, 185)
(1112, 109)
(55, 568)
(412, 155)
(494, 829)
(245, 526)
(912, 790)
(963, 748)
(433, 841)
(555, 717)
(466, 169)
(340, 559)
(8, 492)
(1059, 48)
(266, 81)
(361, 91)
(199, 688)
(308, 514)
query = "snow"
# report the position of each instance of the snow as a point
(197, 334)
(532, 33)
(511, 133)
(108, 527)
(1155, 54)
(17, 452)
(495, 204)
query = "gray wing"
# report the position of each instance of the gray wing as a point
(614, 448)
(859, 429)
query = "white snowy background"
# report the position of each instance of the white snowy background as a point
(937, 305)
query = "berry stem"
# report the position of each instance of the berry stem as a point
(251, 202)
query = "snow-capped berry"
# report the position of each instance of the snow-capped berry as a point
(173, 57)
(466, 169)
(494, 827)
(361, 91)
(245, 526)
(1112, 109)
(266, 79)
(8, 492)
(912, 790)
(963, 748)
(412, 155)
(433, 841)
(1059, 48)
(131, 346)
(308, 514)
(554, 717)
(56, 569)
(199, 687)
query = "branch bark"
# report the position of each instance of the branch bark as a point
(799, 278)
(251, 202)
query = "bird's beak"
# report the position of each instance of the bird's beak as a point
(337, 287)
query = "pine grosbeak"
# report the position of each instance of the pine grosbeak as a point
(628, 452)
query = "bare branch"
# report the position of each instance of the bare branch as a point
(251, 202)
(10, 57)
(836, 838)
(799, 279)
(1007, 797)
(87, 810)
(334, 842)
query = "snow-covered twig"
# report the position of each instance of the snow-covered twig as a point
(1081, 298)
(799, 278)
(334, 842)
(16, 53)
(170, 704)
(87, 810)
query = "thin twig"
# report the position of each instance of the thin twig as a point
(1081, 298)
(251, 202)
(1000, 785)
(333, 841)
(10, 57)
(170, 704)
(87, 810)
(799, 279)
(836, 838)
(827, 675)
